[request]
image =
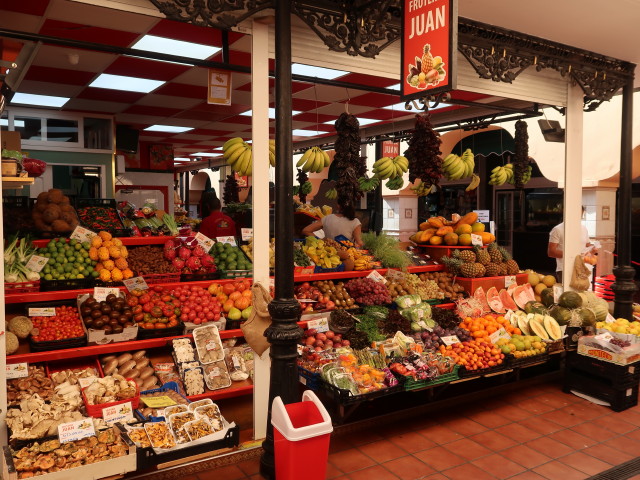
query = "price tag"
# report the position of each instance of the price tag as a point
(557, 291)
(610, 318)
(236, 361)
(497, 335)
(101, 293)
(69, 432)
(17, 370)
(82, 234)
(376, 277)
(319, 324)
(214, 372)
(204, 241)
(450, 340)
(231, 240)
(42, 312)
(246, 234)
(483, 216)
(212, 345)
(86, 381)
(509, 280)
(118, 413)
(36, 263)
(158, 402)
(476, 239)
(393, 274)
(135, 283)
(606, 337)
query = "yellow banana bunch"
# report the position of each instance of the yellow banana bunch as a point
(475, 181)
(331, 194)
(501, 175)
(387, 167)
(421, 189)
(314, 160)
(456, 167)
(238, 155)
(272, 153)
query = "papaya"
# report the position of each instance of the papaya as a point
(468, 219)
(435, 240)
(426, 235)
(462, 229)
(435, 222)
(451, 239)
(424, 225)
(487, 238)
(442, 231)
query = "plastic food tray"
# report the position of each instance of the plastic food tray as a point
(201, 403)
(204, 423)
(176, 428)
(184, 382)
(96, 410)
(210, 368)
(199, 348)
(162, 426)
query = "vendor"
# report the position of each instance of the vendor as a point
(214, 222)
(556, 240)
(342, 222)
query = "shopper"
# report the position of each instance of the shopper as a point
(342, 222)
(215, 223)
(556, 240)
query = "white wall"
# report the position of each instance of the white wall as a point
(148, 178)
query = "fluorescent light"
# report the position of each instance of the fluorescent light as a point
(151, 43)
(305, 133)
(362, 121)
(400, 106)
(128, 84)
(204, 154)
(38, 100)
(181, 159)
(394, 87)
(16, 123)
(319, 72)
(272, 113)
(168, 129)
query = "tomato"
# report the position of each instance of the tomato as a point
(160, 325)
(149, 325)
(145, 298)
(184, 317)
(147, 307)
(132, 301)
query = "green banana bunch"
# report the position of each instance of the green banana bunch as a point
(296, 190)
(272, 153)
(475, 181)
(331, 194)
(306, 188)
(314, 160)
(456, 167)
(368, 184)
(238, 155)
(525, 178)
(387, 167)
(421, 189)
(395, 183)
(501, 175)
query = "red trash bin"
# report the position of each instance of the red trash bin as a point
(301, 434)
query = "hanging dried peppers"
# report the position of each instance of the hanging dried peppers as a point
(231, 191)
(424, 152)
(302, 177)
(349, 165)
(521, 160)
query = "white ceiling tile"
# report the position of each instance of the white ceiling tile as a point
(53, 89)
(154, 100)
(338, 108)
(58, 57)
(193, 76)
(82, 104)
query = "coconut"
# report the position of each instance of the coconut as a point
(20, 326)
(12, 343)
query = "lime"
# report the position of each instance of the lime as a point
(88, 269)
(71, 259)
(48, 276)
(79, 275)
(73, 242)
(78, 246)
(95, 274)
(46, 269)
(86, 245)
(59, 259)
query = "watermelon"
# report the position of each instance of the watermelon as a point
(530, 293)
(511, 288)
(561, 315)
(507, 301)
(535, 307)
(493, 299)
(570, 300)
(547, 297)
(521, 296)
(482, 298)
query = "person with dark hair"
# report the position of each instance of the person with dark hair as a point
(215, 223)
(342, 222)
(556, 240)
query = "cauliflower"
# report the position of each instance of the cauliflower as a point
(20, 327)
(12, 343)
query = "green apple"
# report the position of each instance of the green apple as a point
(247, 311)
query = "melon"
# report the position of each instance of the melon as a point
(493, 299)
(533, 279)
(539, 288)
(535, 307)
(529, 290)
(547, 297)
(601, 309)
(537, 328)
(587, 316)
(570, 300)
(482, 298)
(507, 301)
(523, 324)
(549, 280)
(561, 315)
(552, 328)
(511, 288)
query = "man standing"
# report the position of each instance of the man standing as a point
(556, 240)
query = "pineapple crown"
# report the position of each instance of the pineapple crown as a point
(453, 264)
(426, 48)
(505, 254)
(492, 246)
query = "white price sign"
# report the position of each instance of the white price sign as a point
(118, 413)
(101, 293)
(476, 239)
(509, 280)
(483, 215)
(319, 324)
(17, 370)
(497, 335)
(135, 283)
(450, 340)
(82, 234)
(42, 312)
(246, 234)
(231, 240)
(36, 263)
(376, 277)
(557, 291)
(68, 432)
(204, 241)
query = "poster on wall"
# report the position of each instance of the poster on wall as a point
(429, 46)
(161, 157)
(243, 180)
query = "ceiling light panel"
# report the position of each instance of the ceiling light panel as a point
(152, 43)
(38, 100)
(124, 83)
(319, 72)
(167, 128)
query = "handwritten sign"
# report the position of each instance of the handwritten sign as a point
(69, 432)
(509, 280)
(376, 277)
(117, 413)
(158, 402)
(476, 240)
(205, 242)
(450, 339)
(246, 234)
(320, 324)
(219, 87)
(42, 312)
(101, 293)
(82, 234)
(36, 263)
(17, 370)
(135, 283)
(497, 335)
(483, 216)
(231, 240)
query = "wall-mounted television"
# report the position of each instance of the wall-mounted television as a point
(127, 139)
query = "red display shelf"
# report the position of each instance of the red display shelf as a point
(128, 241)
(229, 392)
(362, 273)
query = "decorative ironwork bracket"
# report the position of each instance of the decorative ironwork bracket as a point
(427, 102)
(489, 63)
(223, 14)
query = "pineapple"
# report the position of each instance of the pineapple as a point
(466, 256)
(453, 264)
(427, 59)
(492, 269)
(494, 252)
(482, 255)
(503, 268)
(511, 265)
(472, 270)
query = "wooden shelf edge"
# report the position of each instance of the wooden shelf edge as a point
(16, 182)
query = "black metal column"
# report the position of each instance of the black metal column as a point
(284, 332)
(624, 286)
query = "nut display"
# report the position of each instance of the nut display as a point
(336, 293)
(149, 260)
(445, 281)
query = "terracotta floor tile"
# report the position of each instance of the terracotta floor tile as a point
(440, 434)
(512, 412)
(517, 432)
(593, 430)
(634, 434)
(439, 458)
(615, 424)
(498, 466)
(350, 460)
(557, 400)
(525, 456)
(382, 451)
(468, 449)
(465, 426)
(490, 419)
(563, 418)
(248, 467)
(408, 468)
(612, 456)
(550, 447)
(435, 476)
(333, 471)
(541, 425)
(535, 406)
(467, 471)
(528, 475)
(573, 439)
(378, 472)
(587, 411)
(624, 444)
(412, 442)
(629, 416)
(493, 440)
(585, 463)
(556, 470)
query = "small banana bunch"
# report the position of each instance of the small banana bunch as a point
(421, 189)
(456, 167)
(331, 194)
(238, 155)
(368, 184)
(395, 183)
(306, 188)
(272, 153)
(386, 167)
(475, 181)
(525, 178)
(314, 160)
(501, 175)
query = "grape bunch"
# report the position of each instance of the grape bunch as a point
(431, 340)
(620, 343)
(366, 291)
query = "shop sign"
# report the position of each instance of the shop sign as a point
(118, 413)
(483, 216)
(36, 263)
(101, 293)
(17, 370)
(429, 47)
(69, 432)
(390, 149)
(219, 92)
(135, 283)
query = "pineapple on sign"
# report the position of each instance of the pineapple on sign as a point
(428, 70)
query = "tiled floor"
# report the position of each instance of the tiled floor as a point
(535, 434)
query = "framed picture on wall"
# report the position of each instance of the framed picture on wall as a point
(161, 157)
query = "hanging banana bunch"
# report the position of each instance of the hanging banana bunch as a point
(331, 194)
(314, 160)
(387, 167)
(421, 189)
(368, 184)
(238, 155)
(395, 183)
(456, 167)
(272, 153)
(501, 175)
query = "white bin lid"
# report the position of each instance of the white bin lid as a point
(280, 420)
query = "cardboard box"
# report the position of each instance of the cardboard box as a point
(98, 337)
(592, 346)
(10, 140)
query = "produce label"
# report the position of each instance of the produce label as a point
(158, 402)
(101, 293)
(204, 241)
(42, 312)
(118, 413)
(82, 234)
(450, 340)
(17, 370)
(212, 345)
(69, 432)
(606, 337)
(610, 318)
(376, 277)
(497, 335)
(320, 324)
(36, 263)
(557, 291)
(429, 41)
(476, 240)
(230, 240)
(135, 283)
(246, 234)
(509, 280)
(214, 372)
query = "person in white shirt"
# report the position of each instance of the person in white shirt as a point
(556, 240)
(343, 222)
